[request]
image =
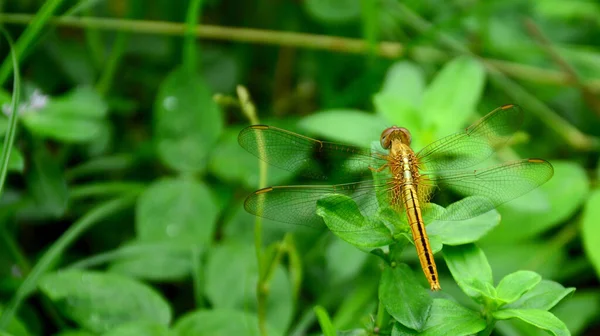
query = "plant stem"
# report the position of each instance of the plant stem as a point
(55, 251)
(386, 49)
(9, 139)
(190, 57)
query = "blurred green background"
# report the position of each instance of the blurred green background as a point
(124, 199)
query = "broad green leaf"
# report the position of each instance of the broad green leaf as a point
(404, 80)
(465, 231)
(333, 11)
(231, 163)
(564, 194)
(512, 286)
(400, 113)
(15, 327)
(176, 208)
(579, 311)
(470, 269)
(219, 322)
(78, 116)
(344, 261)
(591, 229)
(400, 97)
(100, 302)
(144, 328)
(16, 162)
(324, 321)
(543, 296)
(447, 318)
(349, 224)
(539, 318)
(451, 98)
(46, 182)
(346, 126)
(231, 275)
(169, 261)
(404, 298)
(187, 122)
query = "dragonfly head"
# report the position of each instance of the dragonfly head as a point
(394, 132)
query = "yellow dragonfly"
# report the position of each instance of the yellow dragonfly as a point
(409, 178)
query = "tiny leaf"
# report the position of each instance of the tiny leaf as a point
(470, 269)
(512, 286)
(543, 296)
(539, 318)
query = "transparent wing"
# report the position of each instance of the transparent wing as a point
(297, 153)
(495, 185)
(475, 144)
(298, 204)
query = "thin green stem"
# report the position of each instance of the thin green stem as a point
(52, 255)
(9, 139)
(190, 57)
(33, 29)
(262, 285)
(392, 50)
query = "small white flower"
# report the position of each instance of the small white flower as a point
(36, 102)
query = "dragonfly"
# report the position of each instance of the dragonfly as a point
(396, 175)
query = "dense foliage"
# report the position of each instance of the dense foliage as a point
(122, 196)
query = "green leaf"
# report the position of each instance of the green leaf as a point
(231, 276)
(543, 296)
(47, 185)
(400, 97)
(219, 322)
(187, 122)
(144, 328)
(16, 162)
(512, 286)
(333, 11)
(100, 302)
(404, 298)
(591, 229)
(176, 208)
(324, 321)
(76, 117)
(347, 126)
(15, 327)
(75, 333)
(168, 261)
(560, 197)
(470, 269)
(580, 311)
(465, 231)
(343, 218)
(447, 318)
(344, 261)
(451, 98)
(231, 163)
(539, 318)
